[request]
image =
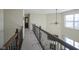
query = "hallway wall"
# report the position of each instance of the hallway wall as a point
(51, 27)
(13, 18)
(1, 28)
(46, 21)
(39, 20)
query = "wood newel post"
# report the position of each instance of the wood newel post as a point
(16, 31)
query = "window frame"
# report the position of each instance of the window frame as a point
(74, 22)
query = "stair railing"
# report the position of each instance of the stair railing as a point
(15, 42)
(55, 44)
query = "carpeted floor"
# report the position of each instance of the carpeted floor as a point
(30, 42)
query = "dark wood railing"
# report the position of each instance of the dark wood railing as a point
(57, 44)
(15, 42)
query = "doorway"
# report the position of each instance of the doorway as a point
(26, 22)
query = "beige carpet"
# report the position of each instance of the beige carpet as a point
(30, 42)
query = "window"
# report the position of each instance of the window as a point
(69, 41)
(72, 21)
(69, 17)
(77, 45)
(76, 21)
(69, 21)
(69, 24)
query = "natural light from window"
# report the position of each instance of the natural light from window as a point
(71, 42)
(77, 45)
(72, 21)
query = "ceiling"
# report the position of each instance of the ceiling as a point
(44, 11)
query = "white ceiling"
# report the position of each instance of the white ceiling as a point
(44, 11)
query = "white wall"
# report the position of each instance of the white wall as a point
(46, 22)
(38, 19)
(71, 33)
(1, 28)
(23, 24)
(13, 18)
(51, 27)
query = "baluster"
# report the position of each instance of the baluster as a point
(62, 47)
(16, 44)
(54, 45)
(39, 33)
(59, 46)
(19, 43)
(9, 47)
(12, 46)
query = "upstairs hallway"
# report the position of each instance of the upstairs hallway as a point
(30, 41)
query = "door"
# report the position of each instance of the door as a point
(26, 22)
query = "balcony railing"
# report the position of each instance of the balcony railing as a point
(49, 41)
